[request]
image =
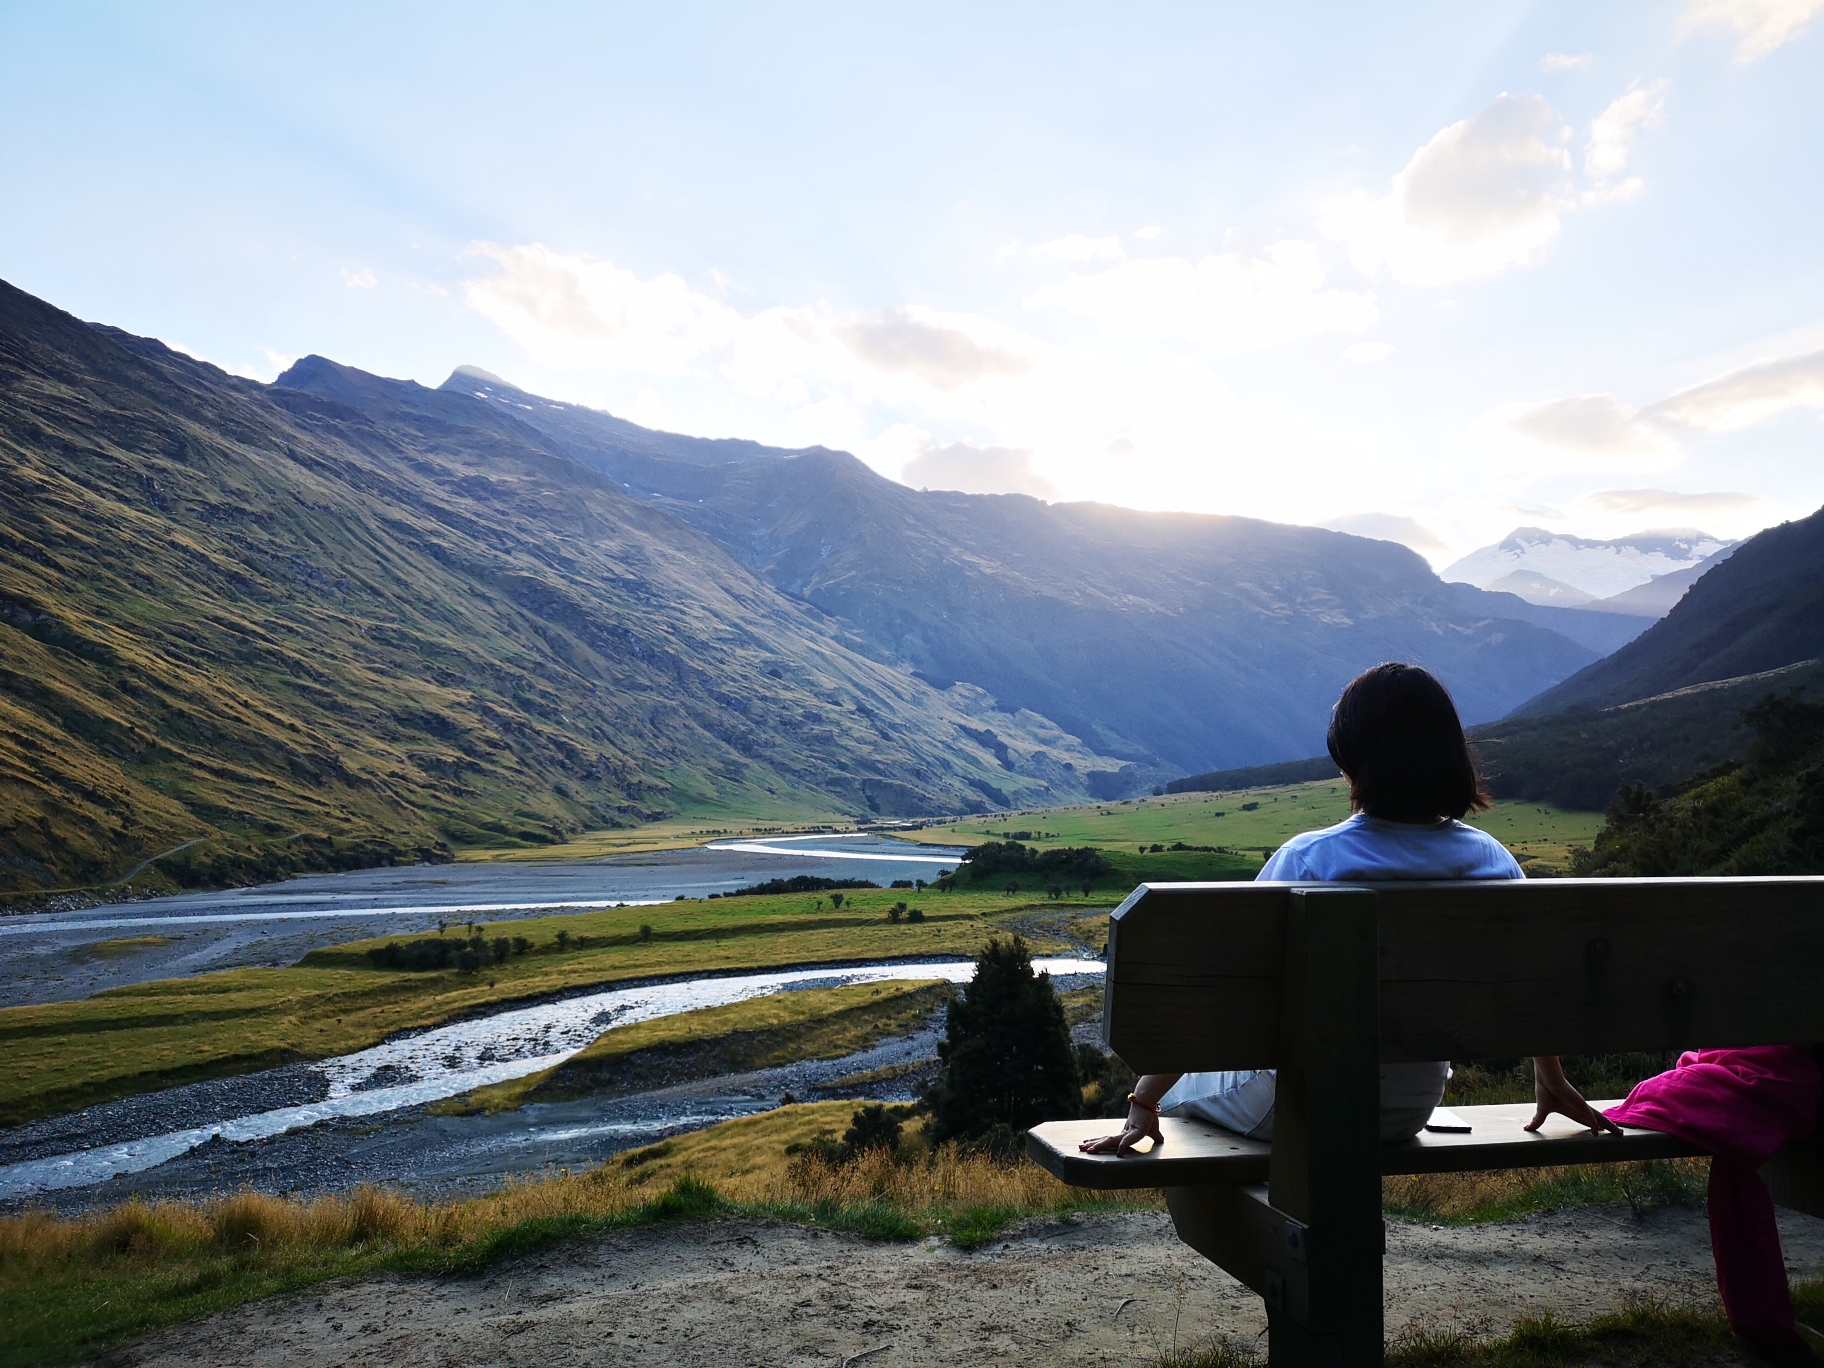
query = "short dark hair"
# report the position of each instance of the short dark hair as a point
(1396, 735)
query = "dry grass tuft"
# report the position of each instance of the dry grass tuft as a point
(1504, 1194)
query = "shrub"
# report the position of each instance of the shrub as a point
(645, 931)
(873, 1127)
(1007, 1053)
(521, 945)
(895, 912)
(995, 858)
(836, 901)
(915, 914)
(418, 956)
(502, 947)
(801, 883)
(563, 940)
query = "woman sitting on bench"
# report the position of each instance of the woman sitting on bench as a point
(1397, 739)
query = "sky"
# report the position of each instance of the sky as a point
(1429, 272)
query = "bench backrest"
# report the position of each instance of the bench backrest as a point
(1479, 970)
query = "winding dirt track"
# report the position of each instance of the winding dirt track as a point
(1094, 1290)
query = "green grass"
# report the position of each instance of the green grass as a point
(1541, 836)
(66, 1055)
(1509, 1194)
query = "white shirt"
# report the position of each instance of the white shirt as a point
(1365, 848)
(1362, 848)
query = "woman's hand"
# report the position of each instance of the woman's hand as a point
(1142, 1117)
(1552, 1092)
(1142, 1124)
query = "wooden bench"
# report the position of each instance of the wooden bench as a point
(1325, 982)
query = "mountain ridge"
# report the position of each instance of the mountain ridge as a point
(1759, 609)
(1233, 634)
(286, 630)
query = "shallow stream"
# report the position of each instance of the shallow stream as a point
(428, 1066)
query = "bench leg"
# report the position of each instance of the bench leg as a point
(1326, 1169)
(1795, 1176)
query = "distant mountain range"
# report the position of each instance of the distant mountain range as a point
(1760, 609)
(250, 628)
(1667, 704)
(1176, 642)
(1641, 575)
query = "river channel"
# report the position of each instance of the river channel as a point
(56, 956)
(403, 1074)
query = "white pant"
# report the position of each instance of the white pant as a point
(1243, 1101)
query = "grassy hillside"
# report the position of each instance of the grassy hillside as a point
(1579, 757)
(264, 631)
(1763, 814)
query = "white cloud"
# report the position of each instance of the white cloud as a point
(571, 311)
(360, 280)
(1762, 25)
(579, 313)
(1234, 302)
(1566, 61)
(1483, 195)
(1670, 506)
(1596, 425)
(1363, 353)
(1749, 395)
(1148, 233)
(1074, 247)
(944, 357)
(1614, 132)
(976, 470)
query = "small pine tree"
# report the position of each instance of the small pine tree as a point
(1007, 1055)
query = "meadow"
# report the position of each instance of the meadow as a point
(1255, 822)
(67, 1055)
(155, 1035)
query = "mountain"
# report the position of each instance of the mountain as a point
(1541, 589)
(1173, 641)
(1579, 757)
(1759, 609)
(287, 628)
(1550, 568)
(1600, 632)
(1659, 595)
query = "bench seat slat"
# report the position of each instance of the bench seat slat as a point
(1195, 1154)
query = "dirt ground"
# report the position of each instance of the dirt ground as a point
(1090, 1290)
